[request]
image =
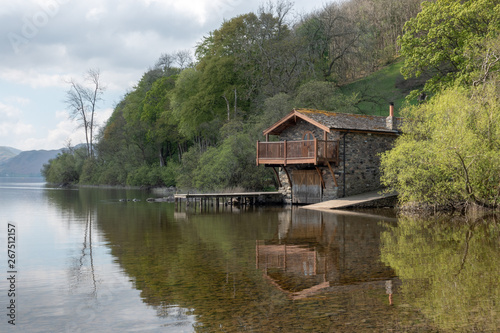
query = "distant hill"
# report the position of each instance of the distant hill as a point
(27, 163)
(7, 153)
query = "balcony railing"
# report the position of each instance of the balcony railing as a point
(298, 152)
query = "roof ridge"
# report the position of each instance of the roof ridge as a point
(332, 113)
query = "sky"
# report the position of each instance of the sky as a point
(46, 43)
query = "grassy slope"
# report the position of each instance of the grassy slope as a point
(382, 87)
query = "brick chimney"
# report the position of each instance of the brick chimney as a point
(390, 122)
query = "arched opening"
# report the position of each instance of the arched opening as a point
(308, 135)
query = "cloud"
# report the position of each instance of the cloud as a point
(15, 128)
(55, 138)
(70, 130)
(8, 111)
(11, 123)
(33, 78)
(95, 14)
(47, 42)
(22, 101)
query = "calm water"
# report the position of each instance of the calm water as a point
(87, 262)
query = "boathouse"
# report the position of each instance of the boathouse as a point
(322, 155)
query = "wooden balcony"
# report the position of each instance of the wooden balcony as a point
(316, 152)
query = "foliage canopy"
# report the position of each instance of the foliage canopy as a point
(449, 150)
(446, 41)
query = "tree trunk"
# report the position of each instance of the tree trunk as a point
(162, 160)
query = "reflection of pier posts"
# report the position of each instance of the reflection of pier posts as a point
(257, 254)
(284, 259)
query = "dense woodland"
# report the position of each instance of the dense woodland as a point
(192, 122)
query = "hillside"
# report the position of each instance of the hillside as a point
(193, 123)
(27, 163)
(7, 153)
(382, 87)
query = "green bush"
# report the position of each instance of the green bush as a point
(449, 150)
(61, 170)
(153, 175)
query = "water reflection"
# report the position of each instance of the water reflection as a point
(253, 269)
(316, 250)
(82, 272)
(450, 270)
(96, 294)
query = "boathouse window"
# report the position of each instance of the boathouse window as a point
(308, 136)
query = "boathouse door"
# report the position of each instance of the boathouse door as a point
(306, 187)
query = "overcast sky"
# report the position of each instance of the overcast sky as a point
(44, 43)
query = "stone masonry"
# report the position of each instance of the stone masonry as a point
(361, 160)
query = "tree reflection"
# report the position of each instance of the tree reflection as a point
(450, 269)
(82, 271)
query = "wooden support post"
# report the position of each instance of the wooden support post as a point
(333, 174)
(321, 178)
(257, 160)
(325, 150)
(277, 176)
(288, 176)
(285, 153)
(315, 151)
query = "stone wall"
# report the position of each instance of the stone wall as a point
(285, 188)
(362, 161)
(296, 132)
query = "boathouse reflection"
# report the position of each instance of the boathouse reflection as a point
(314, 250)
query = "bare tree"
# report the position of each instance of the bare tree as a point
(82, 100)
(184, 59)
(276, 10)
(172, 63)
(165, 62)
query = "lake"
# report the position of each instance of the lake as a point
(88, 260)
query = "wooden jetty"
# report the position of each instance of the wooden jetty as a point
(366, 199)
(243, 198)
(204, 200)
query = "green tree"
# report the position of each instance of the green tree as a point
(445, 39)
(157, 114)
(448, 152)
(231, 165)
(66, 167)
(187, 105)
(117, 156)
(324, 96)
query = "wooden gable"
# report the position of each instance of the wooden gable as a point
(290, 120)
